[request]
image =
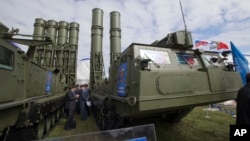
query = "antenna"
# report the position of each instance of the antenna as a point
(186, 39)
(183, 17)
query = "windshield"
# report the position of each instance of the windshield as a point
(159, 57)
(184, 58)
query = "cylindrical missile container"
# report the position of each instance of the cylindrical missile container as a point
(73, 42)
(51, 33)
(52, 29)
(97, 30)
(63, 29)
(115, 36)
(96, 60)
(39, 28)
(73, 34)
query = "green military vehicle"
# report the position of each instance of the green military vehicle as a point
(166, 78)
(32, 92)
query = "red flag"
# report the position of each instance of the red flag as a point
(199, 43)
(222, 45)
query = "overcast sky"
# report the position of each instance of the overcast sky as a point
(142, 21)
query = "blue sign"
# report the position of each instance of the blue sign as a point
(48, 82)
(122, 75)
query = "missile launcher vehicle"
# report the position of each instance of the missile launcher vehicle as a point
(167, 78)
(32, 90)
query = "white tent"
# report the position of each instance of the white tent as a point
(83, 71)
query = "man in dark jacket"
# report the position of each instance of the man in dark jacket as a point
(71, 107)
(77, 92)
(243, 103)
(84, 96)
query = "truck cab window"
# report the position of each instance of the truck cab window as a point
(6, 58)
(211, 60)
(157, 56)
(184, 58)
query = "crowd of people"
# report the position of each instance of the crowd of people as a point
(77, 101)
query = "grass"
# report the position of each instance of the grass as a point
(86, 126)
(194, 127)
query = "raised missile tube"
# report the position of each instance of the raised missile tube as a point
(39, 30)
(49, 49)
(62, 54)
(96, 61)
(115, 36)
(73, 43)
(115, 44)
(63, 29)
(39, 27)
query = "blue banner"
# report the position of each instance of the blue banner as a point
(48, 82)
(241, 62)
(122, 75)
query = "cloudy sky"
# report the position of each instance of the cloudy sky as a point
(142, 21)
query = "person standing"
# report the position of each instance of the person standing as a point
(71, 107)
(77, 92)
(84, 96)
(88, 107)
(243, 103)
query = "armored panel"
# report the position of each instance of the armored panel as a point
(175, 82)
(36, 81)
(233, 80)
(217, 81)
